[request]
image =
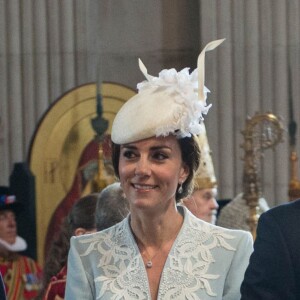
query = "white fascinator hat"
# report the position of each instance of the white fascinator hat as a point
(172, 103)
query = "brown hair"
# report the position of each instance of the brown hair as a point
(81, 215)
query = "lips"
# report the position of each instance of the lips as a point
(143, 187)
(11, 233)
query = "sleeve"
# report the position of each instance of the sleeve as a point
(55, 289)
(79, 283)
(268, 275)
(238, 267)
(52, 291)
(2, 288)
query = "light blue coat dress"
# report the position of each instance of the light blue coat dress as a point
(205, 262)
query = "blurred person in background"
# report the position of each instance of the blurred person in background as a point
(235, 214)
(112, 207)
(202, 202)
(274, 269)
(21, 274)
(79, 221)
(90, 213)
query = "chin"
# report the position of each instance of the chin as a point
(213, 220)
(11, 241)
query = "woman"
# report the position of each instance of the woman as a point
(79, 221)
(160, 251)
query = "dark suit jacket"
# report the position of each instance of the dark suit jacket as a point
(274, 268)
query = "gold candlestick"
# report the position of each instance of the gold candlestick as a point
(262, 132)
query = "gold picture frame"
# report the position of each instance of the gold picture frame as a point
(62, 134)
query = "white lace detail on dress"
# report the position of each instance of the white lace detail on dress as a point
(186, 270)
(190, 260)
(123, 274)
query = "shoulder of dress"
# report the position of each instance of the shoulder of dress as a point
(100, 235)
(239, 234)
(200, 229)
(116, 234)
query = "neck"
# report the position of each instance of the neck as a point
(155, 237)
(19, 245)
(6, 254)
(154, 230)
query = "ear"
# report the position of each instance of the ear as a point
(79, 231)
(184, 172)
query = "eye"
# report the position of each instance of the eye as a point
(207, 196)
(160, 155)
(129, 154)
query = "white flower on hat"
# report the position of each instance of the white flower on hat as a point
(185, 85)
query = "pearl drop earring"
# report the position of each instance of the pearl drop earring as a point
(180, 189)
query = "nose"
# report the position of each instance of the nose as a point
(142, 167)
(11, 222)
(214, 204)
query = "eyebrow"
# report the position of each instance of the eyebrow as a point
(7, 212)
(160, 147)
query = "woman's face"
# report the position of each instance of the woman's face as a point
(150, 171)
